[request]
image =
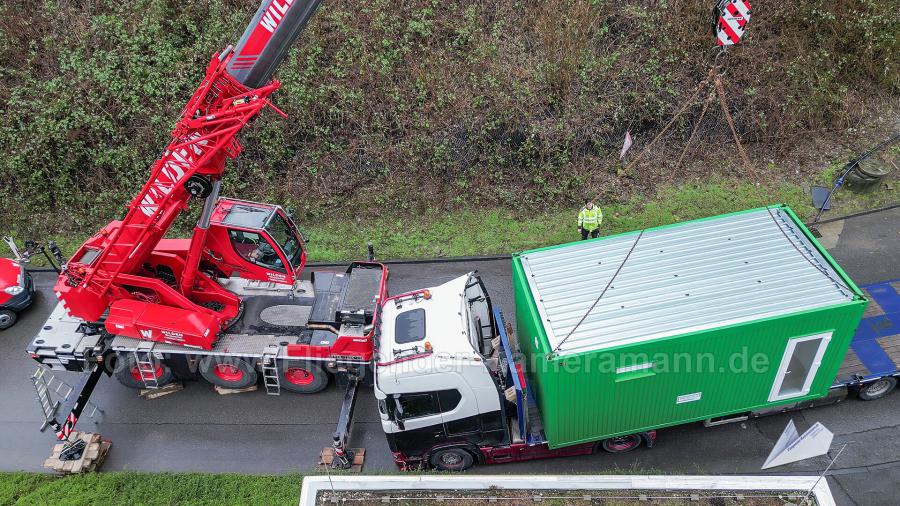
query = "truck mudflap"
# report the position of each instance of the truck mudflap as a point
(406, 463)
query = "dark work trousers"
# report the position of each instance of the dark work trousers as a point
(593, 233)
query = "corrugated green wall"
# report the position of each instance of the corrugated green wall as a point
(583, 399)
(582, 403)
(529, 331)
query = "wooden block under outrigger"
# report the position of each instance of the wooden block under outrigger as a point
(326, 457)
(91, 458)
(154, 393)
(226, 391)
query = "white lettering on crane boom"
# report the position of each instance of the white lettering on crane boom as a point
(274, 14)
(174, 167)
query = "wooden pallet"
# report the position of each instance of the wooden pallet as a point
(227, 391)
(91, 458)
(154, 393)
(327, 457)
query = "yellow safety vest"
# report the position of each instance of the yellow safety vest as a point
(590, 219)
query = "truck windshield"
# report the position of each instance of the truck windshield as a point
(286, 237)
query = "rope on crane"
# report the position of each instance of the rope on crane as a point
(720, 90)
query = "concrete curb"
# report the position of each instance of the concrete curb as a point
(855, 215)
(314, 484)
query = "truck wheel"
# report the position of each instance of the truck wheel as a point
(877, 389)
(126, 371)
(451, 459)
(302, 377)
(7, 319)
(621, 444)
(228, 372)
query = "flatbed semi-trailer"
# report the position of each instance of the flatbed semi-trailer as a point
(768, 330)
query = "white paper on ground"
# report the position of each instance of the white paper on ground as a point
(792, 446)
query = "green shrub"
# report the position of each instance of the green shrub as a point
(403, 106)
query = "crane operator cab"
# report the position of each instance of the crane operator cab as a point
(255, 241)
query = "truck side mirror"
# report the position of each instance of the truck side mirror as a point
(305, 237)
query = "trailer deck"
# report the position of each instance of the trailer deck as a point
(875, 349)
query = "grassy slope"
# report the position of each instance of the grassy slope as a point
(499, 231)
(130, 488)
(494, 231)
(396, 107)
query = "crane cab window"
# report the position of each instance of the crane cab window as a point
(286, 237)
(255, 249)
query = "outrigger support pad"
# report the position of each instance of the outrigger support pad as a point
(343, 458)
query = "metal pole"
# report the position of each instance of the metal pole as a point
(808, 492)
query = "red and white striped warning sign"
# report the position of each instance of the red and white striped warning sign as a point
(733, 16)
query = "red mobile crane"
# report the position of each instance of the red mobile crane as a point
(229, 303)
(155, 290)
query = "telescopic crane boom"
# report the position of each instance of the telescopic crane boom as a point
(127, 275)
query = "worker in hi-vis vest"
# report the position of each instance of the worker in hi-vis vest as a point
(589, 220)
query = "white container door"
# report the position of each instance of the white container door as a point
(801, 360)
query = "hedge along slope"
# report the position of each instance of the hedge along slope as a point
(395, 104)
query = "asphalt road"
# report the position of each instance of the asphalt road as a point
(199, 430)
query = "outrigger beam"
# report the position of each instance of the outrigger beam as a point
(75, 405)
(343, 458)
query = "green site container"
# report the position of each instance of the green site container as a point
(706, 318)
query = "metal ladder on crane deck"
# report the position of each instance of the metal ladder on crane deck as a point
(45, 386)
(269, 366)
(146, 365)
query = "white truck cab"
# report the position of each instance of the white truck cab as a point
(435, 373)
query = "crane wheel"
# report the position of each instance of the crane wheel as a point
(126, 371)
(228, 372)
(302, 377)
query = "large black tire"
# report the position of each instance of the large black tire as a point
(7, 318)
(302, 377)
(621, 444)
(125, 370)
(228, 372)
(877, 389)
(451, 459)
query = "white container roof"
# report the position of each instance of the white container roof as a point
(679, 279)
